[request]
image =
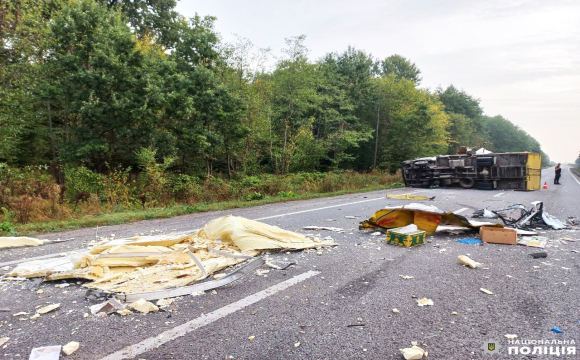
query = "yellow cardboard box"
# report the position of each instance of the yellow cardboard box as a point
(408, 239)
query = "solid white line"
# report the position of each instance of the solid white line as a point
(181, 330)
(573, 176)
(322, 208)
(498, 194)
(460, 210)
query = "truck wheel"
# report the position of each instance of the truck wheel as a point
(466, 183)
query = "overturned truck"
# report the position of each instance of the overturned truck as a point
(515, 171)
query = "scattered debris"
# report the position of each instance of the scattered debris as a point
(539, 255)
(534, 241)
(251, 338)
(280, 265)
(469, 241)
(396, 311)
(70, 348)
(147, 264)
(468, 262)
(319, 228)
(4, 340)
(107, 307)
(46, 353)
(454, 313)
(124, 312)
(498, 235)
(425, 302)
(427, 218)
(47, 308)
(353, 325)
(164, 302)
(143, 306)
(518, 216)
(486, 291)
(413, 353)
(377, 233)
(406, 277)
(407, 236)
(18, 241)
(20, 313)
(407, 197)
(297, 344)
(511, 336)
(350, 217)
(451, 229)
(557, 330)
(262, 272)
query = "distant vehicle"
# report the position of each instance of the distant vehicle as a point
(481, 170)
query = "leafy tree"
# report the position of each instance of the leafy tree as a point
(411, 123)
(26, 134)
(152, 18)
(402, 68)
(107, 92)
(459, 102)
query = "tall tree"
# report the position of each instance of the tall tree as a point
(402, 68)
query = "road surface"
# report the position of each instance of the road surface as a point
(307, 309)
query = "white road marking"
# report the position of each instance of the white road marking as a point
(322, 208)
(205, 319)
(460, 210)
(498, 194)
(573, 176)
(330, 207)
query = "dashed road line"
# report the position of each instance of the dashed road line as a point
(205, 319)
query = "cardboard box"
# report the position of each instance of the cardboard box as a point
(408, 239)
(498, 235)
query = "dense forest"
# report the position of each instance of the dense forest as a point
(115, 86)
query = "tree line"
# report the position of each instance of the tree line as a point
(108, 84)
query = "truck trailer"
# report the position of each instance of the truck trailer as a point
(483, 171)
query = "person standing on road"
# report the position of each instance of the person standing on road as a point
(558, 171)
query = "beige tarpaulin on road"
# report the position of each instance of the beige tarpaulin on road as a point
(152, 263)
(427, 218)
(407, 197)
(8, 241)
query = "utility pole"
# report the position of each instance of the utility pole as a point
(377, 131)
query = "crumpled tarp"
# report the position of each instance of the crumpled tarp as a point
(18, 241)
(426, 217)
(519, 216)
(151, 263)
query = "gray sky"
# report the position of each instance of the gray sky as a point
(521, 58)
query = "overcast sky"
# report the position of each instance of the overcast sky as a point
(521, 58)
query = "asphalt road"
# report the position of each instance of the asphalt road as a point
(307, 309)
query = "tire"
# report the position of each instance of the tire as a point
(466, 183)
(485, 185)
(484, 161)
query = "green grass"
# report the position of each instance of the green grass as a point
(125, 217)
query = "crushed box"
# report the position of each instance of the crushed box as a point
(498, 235)
(408, 238)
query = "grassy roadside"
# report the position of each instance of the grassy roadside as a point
(125, 217)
